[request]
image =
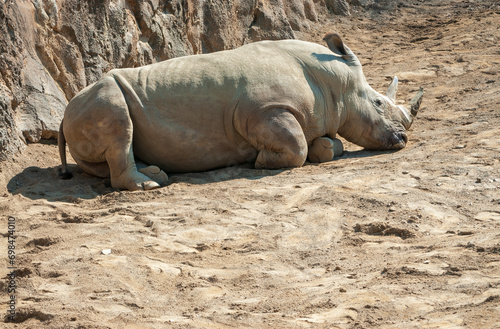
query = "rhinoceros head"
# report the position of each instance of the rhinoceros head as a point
(368, 118)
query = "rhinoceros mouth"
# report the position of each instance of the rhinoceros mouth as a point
(398, 140)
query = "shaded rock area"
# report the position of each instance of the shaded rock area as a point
(50, 50)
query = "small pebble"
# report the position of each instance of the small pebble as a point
(427, 261)
(459, 147)
(106, 251)
(149, 223)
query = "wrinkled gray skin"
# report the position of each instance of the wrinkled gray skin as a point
(264, 103)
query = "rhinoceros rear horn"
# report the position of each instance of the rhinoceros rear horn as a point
(393, 89)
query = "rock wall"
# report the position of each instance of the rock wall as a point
(51, 49)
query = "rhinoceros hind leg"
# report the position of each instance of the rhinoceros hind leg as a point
(278, 136)
(324, 149)
(155, 173)
(99, 132)
(99, 169)
(123, 170)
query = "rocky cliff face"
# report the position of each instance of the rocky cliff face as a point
(51, 49)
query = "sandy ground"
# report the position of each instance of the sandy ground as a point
(407, 239)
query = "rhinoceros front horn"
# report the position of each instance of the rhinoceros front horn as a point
(416, 101)
(408, 116)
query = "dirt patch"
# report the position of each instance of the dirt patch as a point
(383, 229)
(404, 239)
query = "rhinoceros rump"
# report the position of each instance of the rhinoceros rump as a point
(273, 103)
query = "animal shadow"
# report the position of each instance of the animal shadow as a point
(45, 183)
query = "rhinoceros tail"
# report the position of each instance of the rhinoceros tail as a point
(61, 141)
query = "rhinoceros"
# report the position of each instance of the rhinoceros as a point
(271, 103)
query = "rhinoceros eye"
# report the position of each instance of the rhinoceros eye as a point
(379, 105)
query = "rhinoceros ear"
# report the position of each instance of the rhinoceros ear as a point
(336, 45)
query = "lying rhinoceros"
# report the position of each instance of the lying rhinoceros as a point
(273, 103)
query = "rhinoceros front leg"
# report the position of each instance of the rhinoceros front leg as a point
(279, 138)
(324, 149)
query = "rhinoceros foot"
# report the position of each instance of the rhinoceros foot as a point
(324, 149)
(156, 174)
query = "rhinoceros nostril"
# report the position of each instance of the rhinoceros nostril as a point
(404, 136)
